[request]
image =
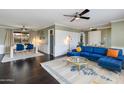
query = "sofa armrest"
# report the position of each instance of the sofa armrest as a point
(120, 58)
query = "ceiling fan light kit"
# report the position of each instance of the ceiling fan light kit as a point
(77, 18)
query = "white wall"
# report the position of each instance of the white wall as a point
(43, 48)
(94, 38)
(75, 39)
(60, 46)
(117, 35)
(84, 37)
(106, 37)
(43, 37)
(2, 39)
(2, 49)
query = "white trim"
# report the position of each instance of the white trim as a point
(49, 41)
(107, 27)
(100, 28)
(119, 20)
(67, 26)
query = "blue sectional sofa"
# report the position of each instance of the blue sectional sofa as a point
(99, 55)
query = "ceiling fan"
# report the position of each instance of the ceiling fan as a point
(23, 29)
(78, 15)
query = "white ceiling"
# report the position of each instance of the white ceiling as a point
(40, 18)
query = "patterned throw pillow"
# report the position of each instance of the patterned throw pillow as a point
(78, 49)
(112, 53)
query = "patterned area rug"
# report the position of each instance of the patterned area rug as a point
(19, 56)
(91, 74)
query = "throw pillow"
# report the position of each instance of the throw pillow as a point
(112, 53)
(78, 49)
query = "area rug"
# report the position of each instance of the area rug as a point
(19, 56)
(92, 74)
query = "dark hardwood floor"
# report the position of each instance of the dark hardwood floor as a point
(28, 71)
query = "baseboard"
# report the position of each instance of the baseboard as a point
(53, 55)
(42, 52)
(60, 56)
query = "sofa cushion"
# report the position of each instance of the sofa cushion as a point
(30, 46)
(82, 48)
(73, 50)
(110, 62)
(87, 49)
(73, 53)
(19, 47)
(96, 55)
(85, 54)
(120, 58)
(99, 50)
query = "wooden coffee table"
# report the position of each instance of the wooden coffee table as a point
(78, 61)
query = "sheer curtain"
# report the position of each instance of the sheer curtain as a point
(8, 41)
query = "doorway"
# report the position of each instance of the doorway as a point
(51, 42)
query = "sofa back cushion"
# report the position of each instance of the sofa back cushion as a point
(82, 48)
(29, 46)
(100, 50)
(19, 47)
(87, 49)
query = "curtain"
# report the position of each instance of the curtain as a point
(8, 41)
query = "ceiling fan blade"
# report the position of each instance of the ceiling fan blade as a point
(84, 12)
(85, 17)
(73, 19)
(70, 15)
